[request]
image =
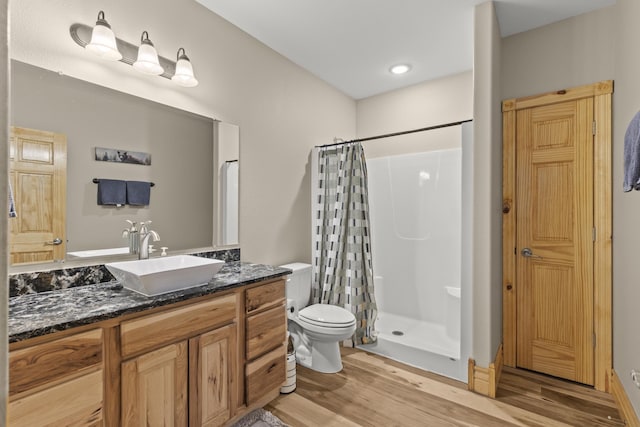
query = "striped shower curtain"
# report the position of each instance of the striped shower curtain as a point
(342, 267)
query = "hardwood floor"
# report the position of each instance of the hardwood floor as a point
(375, 391)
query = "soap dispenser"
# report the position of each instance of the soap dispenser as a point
(132, 234)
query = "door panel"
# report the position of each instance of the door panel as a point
(213, 364)
(154, 388)
(555, 221)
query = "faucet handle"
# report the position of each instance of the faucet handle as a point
(144, 226)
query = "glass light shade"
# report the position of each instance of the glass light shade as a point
(147, 61)
(103, 41)
(184, 73)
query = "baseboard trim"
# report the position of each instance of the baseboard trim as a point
(485, 380)
(622, 400)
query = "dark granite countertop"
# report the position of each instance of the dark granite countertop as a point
(43, 313)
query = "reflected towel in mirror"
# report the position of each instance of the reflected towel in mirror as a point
(138, 193)
(112, 192)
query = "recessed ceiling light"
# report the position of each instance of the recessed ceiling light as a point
(400, 68)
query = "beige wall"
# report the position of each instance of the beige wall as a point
(569, 53)
(487, 187)
(626, 206)
(431, 103)
(282, 110)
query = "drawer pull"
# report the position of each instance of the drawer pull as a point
(273, 365)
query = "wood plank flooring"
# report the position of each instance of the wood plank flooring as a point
(375, 391)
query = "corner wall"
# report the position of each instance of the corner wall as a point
(487, 187)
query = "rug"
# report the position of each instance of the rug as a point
(260, 418)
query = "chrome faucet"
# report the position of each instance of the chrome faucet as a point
(145, 234)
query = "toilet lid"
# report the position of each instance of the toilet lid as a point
(326, 314)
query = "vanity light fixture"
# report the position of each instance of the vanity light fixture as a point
(184, 71)
(147, 61)
(400, 69)
(103, 41)
(144, 58)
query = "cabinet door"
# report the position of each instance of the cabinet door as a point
(213, 363)
(154, 388)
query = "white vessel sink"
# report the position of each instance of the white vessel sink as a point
(164, 274)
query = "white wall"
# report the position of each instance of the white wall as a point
(626, 206)
(282, 110)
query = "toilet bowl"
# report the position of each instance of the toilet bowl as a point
(318, 328)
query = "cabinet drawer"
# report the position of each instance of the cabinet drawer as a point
(266, 374)
(54, 360)
(73, 403)
(265, 331)
(154, 330)
(265, 296)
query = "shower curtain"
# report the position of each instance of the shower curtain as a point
(342, 267)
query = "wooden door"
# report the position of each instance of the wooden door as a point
(154, 388)
(212, 365)
(38, 167)
(554, 264)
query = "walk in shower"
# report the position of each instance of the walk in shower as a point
(417, 197)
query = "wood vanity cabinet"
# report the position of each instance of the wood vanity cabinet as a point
(59, 382)
(185, 374)
(205, 362)
(265, 346)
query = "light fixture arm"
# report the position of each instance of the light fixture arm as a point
(144, 38)
(101, 20)
(81, 34)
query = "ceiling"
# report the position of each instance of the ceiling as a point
(351, 44)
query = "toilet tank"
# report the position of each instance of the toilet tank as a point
(298, 285)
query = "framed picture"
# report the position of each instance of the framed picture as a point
(122, 156)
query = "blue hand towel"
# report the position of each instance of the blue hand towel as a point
(138, 193)
(112, 192)
(632, 155)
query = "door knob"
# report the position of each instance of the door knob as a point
(528, 253)
(56, 241)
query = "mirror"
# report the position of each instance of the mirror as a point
(194, 162)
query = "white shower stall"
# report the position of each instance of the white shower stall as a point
(417, 200)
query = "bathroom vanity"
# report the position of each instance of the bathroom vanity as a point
(203, 356)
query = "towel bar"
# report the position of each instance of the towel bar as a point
(96, 180)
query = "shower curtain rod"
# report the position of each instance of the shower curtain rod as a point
(446, 125)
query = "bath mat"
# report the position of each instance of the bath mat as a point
(260, 418)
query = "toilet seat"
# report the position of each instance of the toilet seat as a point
(327, 316)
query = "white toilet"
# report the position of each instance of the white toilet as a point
(318, 328)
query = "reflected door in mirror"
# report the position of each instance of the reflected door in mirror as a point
(38, 180)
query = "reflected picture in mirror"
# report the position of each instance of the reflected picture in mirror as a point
(188, 206)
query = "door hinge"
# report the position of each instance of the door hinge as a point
(593, 335)
(593, 127)
(593, 234)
